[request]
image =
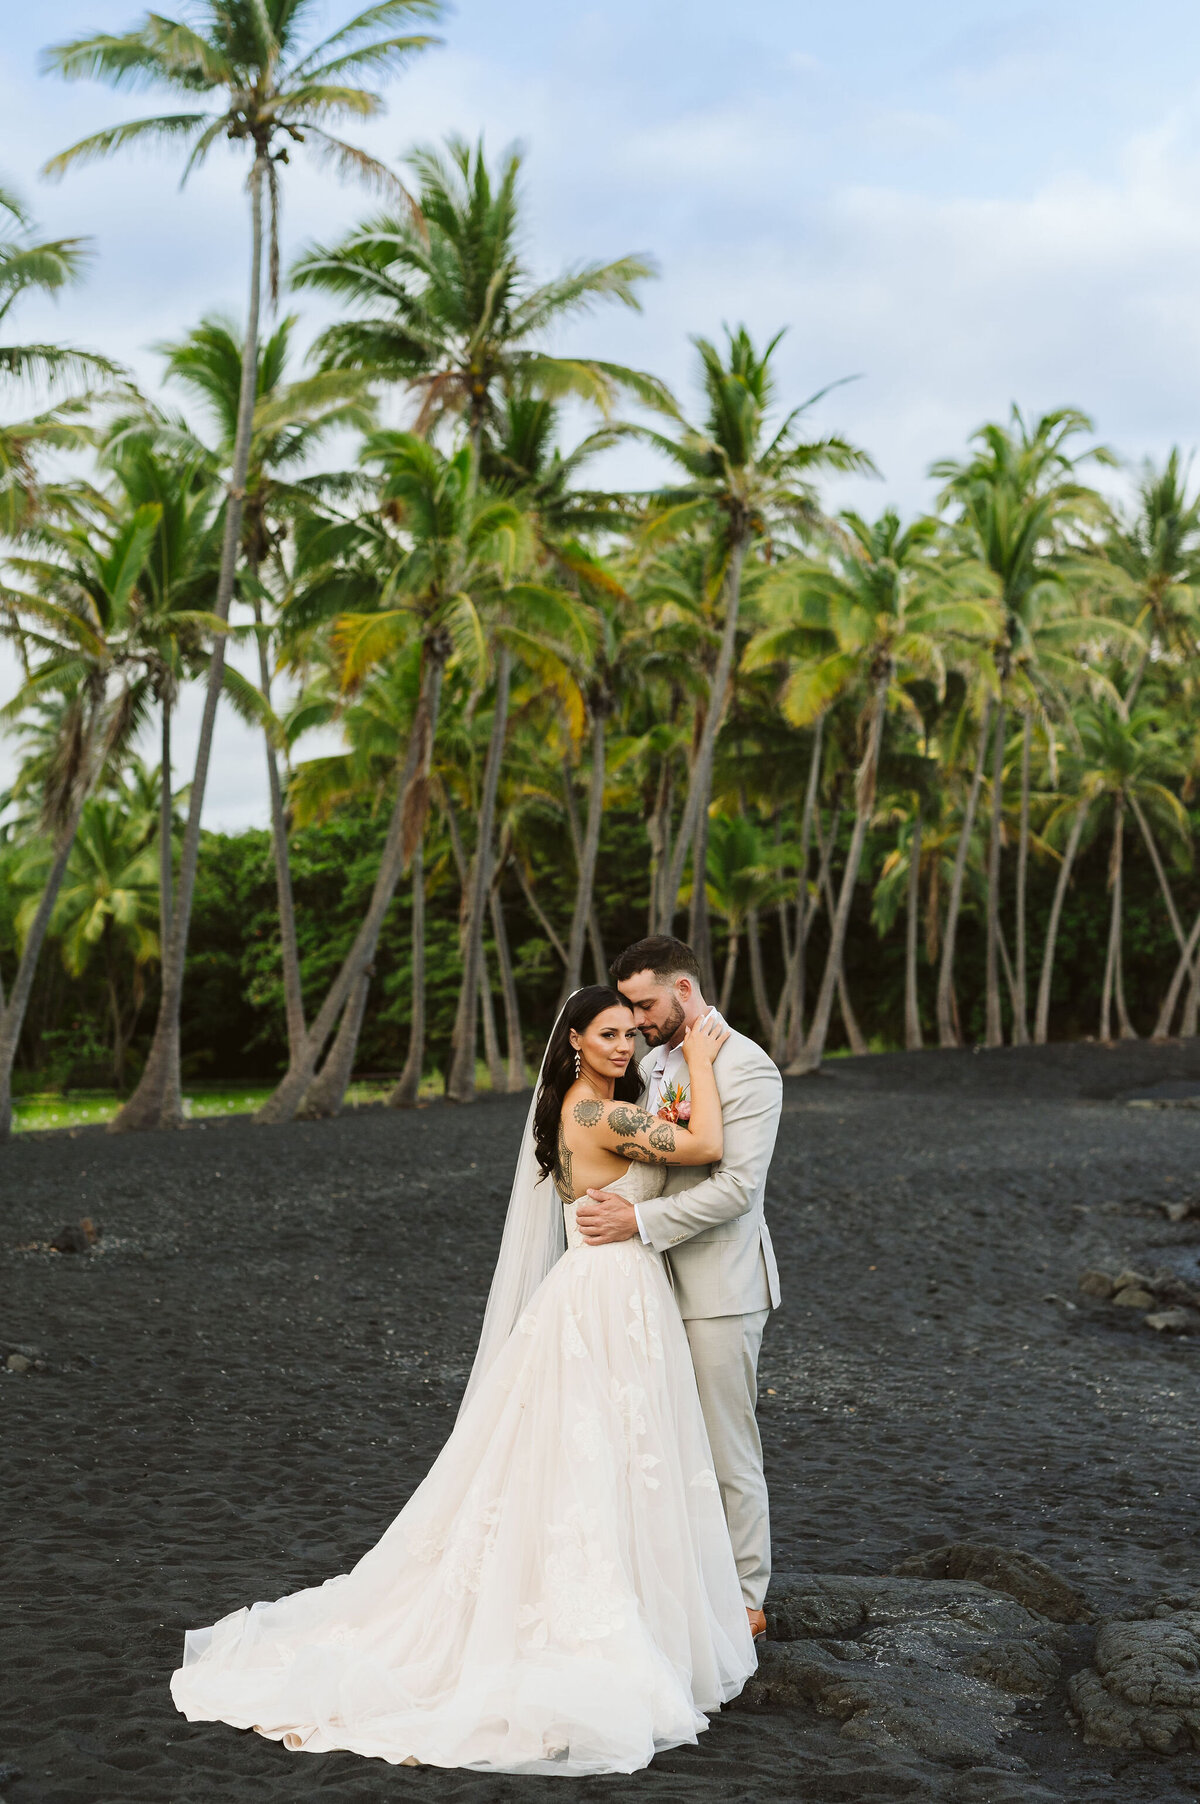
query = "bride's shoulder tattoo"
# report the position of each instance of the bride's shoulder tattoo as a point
(588, 1112)
(626, 1119)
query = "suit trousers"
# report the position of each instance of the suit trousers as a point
(725, 1355)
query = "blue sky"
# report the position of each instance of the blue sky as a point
(960, 204)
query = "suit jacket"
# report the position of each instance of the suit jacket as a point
(709, 1221)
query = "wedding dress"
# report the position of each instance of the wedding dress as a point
(558, 1596)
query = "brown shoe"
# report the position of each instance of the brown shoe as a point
(758, 1624)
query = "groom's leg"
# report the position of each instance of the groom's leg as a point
(725, 1355)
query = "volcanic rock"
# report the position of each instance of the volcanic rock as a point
(1143, 1689)
(1005, 1569)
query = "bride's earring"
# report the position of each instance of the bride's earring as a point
(578, 1064)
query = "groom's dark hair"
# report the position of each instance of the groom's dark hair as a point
(660, 954)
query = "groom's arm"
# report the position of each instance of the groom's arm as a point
(750, 1112)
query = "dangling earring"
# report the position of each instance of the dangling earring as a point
(578, 1065)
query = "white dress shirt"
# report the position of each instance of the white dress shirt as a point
(670, 1068)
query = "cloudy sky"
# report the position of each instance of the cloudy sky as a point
(959, 202)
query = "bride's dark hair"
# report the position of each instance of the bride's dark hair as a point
(558, 1069)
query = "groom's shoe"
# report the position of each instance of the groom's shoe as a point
(758, 1623)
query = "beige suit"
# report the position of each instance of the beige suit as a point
(710, 1224)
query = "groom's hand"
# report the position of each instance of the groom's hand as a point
(606, 1219)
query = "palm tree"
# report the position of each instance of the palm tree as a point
(1015, 498)
(746, 480)
(743, 876)
(447, 305)
(76, 608)
(291, 420)
(152, 465)
(880, 612)
(1125, 763)
(29, 265)
(1155, 550)
(270, 93)
(108, 902)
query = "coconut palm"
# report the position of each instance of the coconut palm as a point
(879, 612)
(743, 877)
(1125, 764)
(1154, 549)
(151, 465)
(108, 904)
(746, 480)
(1015, 500)
(269, 89)
(445, 302)
(292, 419)
(32, 266)
(74, 609)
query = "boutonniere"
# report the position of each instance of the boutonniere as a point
(675, 1105)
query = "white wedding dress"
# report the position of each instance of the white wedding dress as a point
(558, 1596)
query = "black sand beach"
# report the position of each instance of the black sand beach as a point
(235, 1391)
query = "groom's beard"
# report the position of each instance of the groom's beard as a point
(659, 1036)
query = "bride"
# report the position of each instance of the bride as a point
(559, 1595)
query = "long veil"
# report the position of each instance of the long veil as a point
(534, 1240)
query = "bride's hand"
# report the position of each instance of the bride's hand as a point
(702, 1043)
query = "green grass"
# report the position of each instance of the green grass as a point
(85, 1108)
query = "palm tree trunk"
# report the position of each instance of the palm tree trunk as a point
(407, 814)
(158, 1099)
(539, 914)
(823, 895)
(731, 959)
(165, 823)
(404, 1096)
(700, 784)
(788, 1026)
(912, 1006)
(814, 1046)
(762, 1007)
(13, 1018)
(1020, 1025)
(1191, 1008)
(995, 1017)
(1112, 957)
(293, 995)
(587, 853)
(699, 922)
(947, 1031)
(1124, 1024)
(460, 1083)
(658, 832)
(508, 991)
(1166, 1013)
(1042, 1022)
(1164, 885)
(491, 1039)
(854, 1034)
(326, 1094)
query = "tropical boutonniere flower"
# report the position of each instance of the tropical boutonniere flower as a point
(676, 1104)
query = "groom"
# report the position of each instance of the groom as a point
(709, 1223)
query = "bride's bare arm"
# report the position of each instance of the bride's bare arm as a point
(631, 1133)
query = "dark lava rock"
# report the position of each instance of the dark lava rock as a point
(1005, 1569)
(1143, 1689)
(76, 1237)
(935, 1664)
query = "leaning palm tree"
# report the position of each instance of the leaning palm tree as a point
(270, 92)
(745, 480)
(73, 609)
(882, 610)
(445, 302)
